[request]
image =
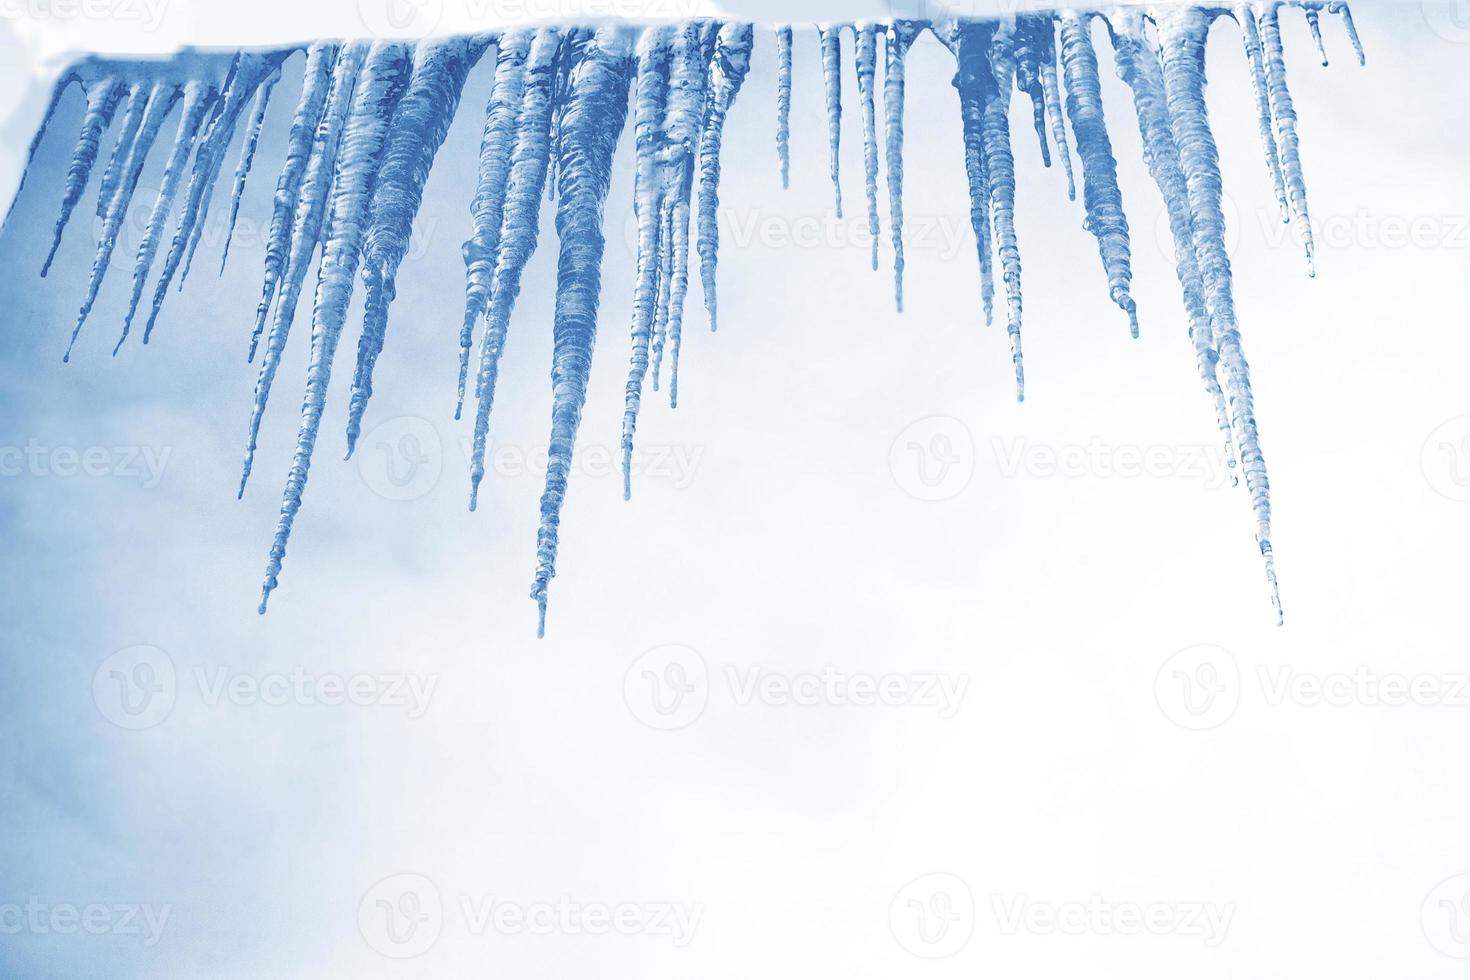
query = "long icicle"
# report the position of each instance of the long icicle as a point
(419, 126)
(1001, 168)
(161, 100)
(866, 60)
(199, 98)
(1051, 91)
(683, 123)
(57, 91)
(320, 60)
(249, 71)
(1138, 66)
(977, 177)
(1287, 142)
(487, 207)
(306, 231)
(520, 228)
(1100, 194)
(830, 38)
(593, 120)
(132, 118)
(1314, 24)
(899, 37)
(1340, 8)
(783, 101)
(1250, 35)
(1182, 33)
(102, 100)
(1028, 48)
(650, 101)
(247, 159)
(384, 77)
(727, 73)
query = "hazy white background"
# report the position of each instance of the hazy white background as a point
(1129, 729)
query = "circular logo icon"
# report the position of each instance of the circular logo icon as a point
(933, 459)
(667, 688)
(1164, 230)
(1448, 19)
(401, 916)
(400, 19)
(136, 688)
(1445, 459)
(933, 916)
(401, 459)
(1198, 688)
(1445, 917)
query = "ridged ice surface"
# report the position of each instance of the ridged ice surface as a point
(369, 121)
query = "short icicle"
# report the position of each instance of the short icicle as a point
(898, 38)
(1287, 141)
(830, 40)
(727, 73)
(247, 159)
(102, 100)
(783, 101)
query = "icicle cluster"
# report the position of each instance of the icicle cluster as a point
(370, 119)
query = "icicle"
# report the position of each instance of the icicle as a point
(900, 35)
(650, 99)
(306, 231)
(132, 119)
(319, 62)
(488, 204)
(1342, 9)
(593, 119)
(1052, 93)
(1138, 65)
(1001, 169)
(161, 101)
(249, 71)
(383, 80)
(1286, 136)
(1029, 41)
(1314, 24)
(831, 45)
(866, 59)
(247, 158)
(1100, 195)
(519, 229)
(685, 121)
(57, 91)
(419, 126)
(1182, 33)
(972, 110)
(665, 266)
(102, 99)
(783, 102)
(199, 98)
(727, 74)
(1251, 36)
